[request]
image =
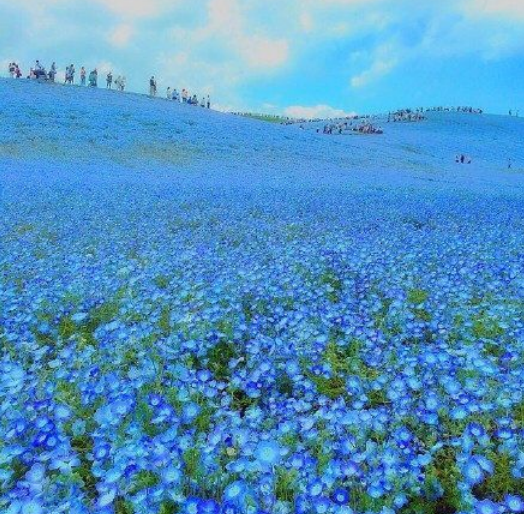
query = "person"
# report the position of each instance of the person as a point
(184, 96)
(169, 94)
(195, 100)
(12, 69)
(83, 76)
(176, 96)
(109, 80)
(72, 72)
(39, 70)
(152, 87)
(93, 78)
(52, 72)
(509, 163)
(203, 102)
(18, 73)
(208, 102)
(123, 83)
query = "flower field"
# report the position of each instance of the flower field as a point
(205, 314)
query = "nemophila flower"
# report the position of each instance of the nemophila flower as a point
(321, 505)
(209, 507)
(31, 507)
(171, 475)
(36, 475)
(79, 317)
(267, 453)
(191, 506)
(315, 488)
(473, 472)
(514, 503)
(340, 496)
(190, 411)
(106, 498)
(235, 492)
(487, 507)
(376, 490)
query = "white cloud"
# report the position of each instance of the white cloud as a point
(506, 8)
(384, 60)
(263, 53)
(135, 8)
(121, 35)
(307, 22)
(316, 111)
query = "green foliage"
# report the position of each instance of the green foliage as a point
(334, 283)
(191, 458)
(84, 331)
(502, 482)
(486, 328)
(333, 387)
(123, 507)
(143, 480)
(286, 484)
(284, 384)
(417, 296)
(164, 323)
(218, 359)
(518, 415)
(161, 281)
(169, 507)
(241, 401)
(377, 398)
(83, 446)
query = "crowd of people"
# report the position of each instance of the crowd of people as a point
(406, 115)
(471, 110)
(182, 96)
(347, 127)
(39, 72)
(462, 159)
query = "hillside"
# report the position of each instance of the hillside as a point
(213, 314)
(75, 124)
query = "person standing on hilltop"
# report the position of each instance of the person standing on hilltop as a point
(152, 87)
(72, 72)
(93, 78)
(52, 72)
(169, 94)
(109, 80)
(208, 102)
(82, 76)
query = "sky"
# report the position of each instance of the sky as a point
(302, 58)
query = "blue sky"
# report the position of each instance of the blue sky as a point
(299, 57)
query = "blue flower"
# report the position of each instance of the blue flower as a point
(267, 453)
(340, 496)
(473, 472)
(487, 507)
(190, 411)
(191, 506)
(31, 507)
(235, 492)
(514, 503)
